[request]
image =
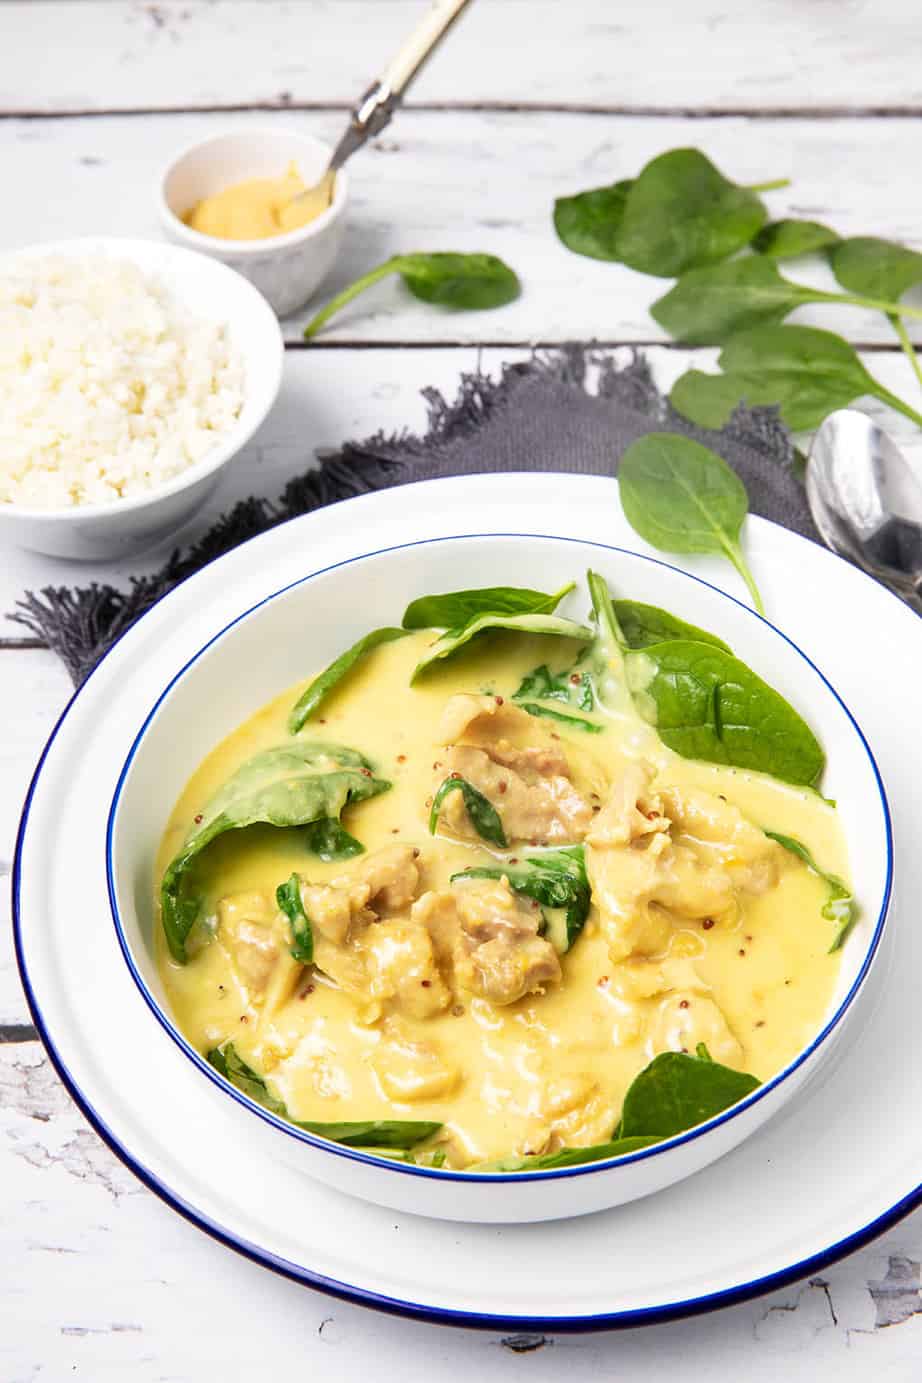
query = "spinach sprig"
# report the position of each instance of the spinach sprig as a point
(675, 1092)
(704, 702)
(840, 906)
(313, 697)
(468, 282)
(370, 1133)
(291, 784)
(683, 497)
(288, 897)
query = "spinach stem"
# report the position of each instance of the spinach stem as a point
(899, 326)
(735, 555)
(817, 295)
(908, 412)
(390, 266)
(768, 186)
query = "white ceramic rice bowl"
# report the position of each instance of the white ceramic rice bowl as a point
(244, 664)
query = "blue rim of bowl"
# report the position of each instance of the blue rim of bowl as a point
(396, 1306)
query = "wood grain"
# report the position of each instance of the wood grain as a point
(651, 55)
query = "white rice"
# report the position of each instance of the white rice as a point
(108, 386)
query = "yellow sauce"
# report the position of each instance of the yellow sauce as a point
(260, 207)
(769, 971)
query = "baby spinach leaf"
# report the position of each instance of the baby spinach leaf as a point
(553, 878)
(328, 840)
(288, 897)
(681, 213)
(709, 305)
(840, 906)
(455, 609)
(228, 1062)
(708, 400)
(683, 497)
(588, 223)
(875, 268)
(677, 1091)
(470, 282)
(808, 373)
(590, 727)
(311, 699)
(454, 639)
(289, 785)
(483, 815)
(706, 704)
(790, 238)
(642, 625)
(571, 686)
(374, 1133)
(565, 1157)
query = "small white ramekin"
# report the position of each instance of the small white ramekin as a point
(287, 269)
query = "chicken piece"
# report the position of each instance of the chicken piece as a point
(529, 785)
(657, 859)
(403, 970)
(647, 979)
(408, 1070)
(684, 1019)
(485, 938)
(253, 935)
(247, 931)
(721, 834)
(574, 1113)
(384, 882)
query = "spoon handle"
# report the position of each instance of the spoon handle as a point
(379, 102)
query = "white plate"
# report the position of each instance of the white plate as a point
(836, 1167)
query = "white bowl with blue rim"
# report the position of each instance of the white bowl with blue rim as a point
(242, 664)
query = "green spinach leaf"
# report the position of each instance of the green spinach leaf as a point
(790, 238)
(806, 372)
(704, 703)
(572, 686)
(455, 639)
(328, 840)
(290, 785)
(707, 306)
(840, 906)
(310, 701)
(589, 727)
(589, 222)
(469, 282)
(288, 897)
(380, 1133)
(455, 609)
(681, 213)
(484, 817)
(677, 1091)
(875, 268)
(708, 400)
(683, 497)
(642, 625)
(553, 878)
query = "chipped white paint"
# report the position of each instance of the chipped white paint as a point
(101, 1281)
(657, 54)
(486, 181)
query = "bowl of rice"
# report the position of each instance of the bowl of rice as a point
(131, 372)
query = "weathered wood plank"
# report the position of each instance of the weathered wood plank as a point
(485, 182)
(85, 55)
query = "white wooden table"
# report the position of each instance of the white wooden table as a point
(530, 99)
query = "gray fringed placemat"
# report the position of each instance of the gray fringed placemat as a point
(539, 415)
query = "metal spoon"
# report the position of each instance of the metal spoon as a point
(866, 501)
(377, 106)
